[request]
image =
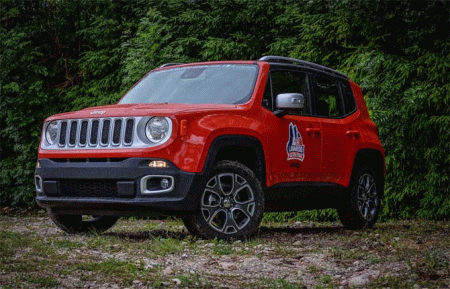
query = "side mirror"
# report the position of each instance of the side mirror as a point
(288, 100)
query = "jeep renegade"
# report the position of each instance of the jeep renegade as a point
(217, 143)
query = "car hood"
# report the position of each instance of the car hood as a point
(135, 110)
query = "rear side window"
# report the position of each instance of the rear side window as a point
(349, 99)
(328, 99)
(333, 98)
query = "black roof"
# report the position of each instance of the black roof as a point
(302, 63)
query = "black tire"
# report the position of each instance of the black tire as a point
(231, 204)
(363, 208)
(75, 224)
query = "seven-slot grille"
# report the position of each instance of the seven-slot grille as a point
(98, 132)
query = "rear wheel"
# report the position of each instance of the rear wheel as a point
(365, 200)
(75, 224)
(231, 205)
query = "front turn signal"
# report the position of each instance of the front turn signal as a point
(158, 164)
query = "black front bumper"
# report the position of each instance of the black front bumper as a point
(114, 187)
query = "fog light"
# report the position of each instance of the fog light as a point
(38, 183)
(165, 184)
(157, 184)
(158, 164)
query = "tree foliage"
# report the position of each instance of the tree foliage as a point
(63, 55)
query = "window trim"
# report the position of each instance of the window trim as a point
(344, 87)
(341, 83)
(308, 97)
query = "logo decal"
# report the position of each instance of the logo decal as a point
(99, 112)
(295, 148)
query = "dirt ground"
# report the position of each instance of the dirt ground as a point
(139, 253)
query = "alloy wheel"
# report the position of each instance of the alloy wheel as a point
(367, 197)
(228, 203)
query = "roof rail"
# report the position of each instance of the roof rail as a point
(169, 64)
(288, 60)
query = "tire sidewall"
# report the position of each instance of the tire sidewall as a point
(197, 224)
(362, 222)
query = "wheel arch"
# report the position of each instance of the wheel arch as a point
(371, 158)
(246, 150)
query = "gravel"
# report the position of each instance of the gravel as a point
(306, 255)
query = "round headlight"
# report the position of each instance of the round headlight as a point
(157, 129)
(51, 133)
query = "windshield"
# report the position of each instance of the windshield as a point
(217, 84)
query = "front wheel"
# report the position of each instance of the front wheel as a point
(231, 204)
(75, 224)
(365, 200)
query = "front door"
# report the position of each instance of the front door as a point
(294, 139)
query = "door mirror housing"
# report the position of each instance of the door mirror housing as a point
(286, 101)
(290, 100)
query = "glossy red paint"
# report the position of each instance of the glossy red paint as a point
(190, 142)
(201, 125)
(187, 152)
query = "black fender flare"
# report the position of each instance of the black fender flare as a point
(245, 141)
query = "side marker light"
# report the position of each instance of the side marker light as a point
(183, 127)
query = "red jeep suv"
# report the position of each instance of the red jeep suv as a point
(217, 143)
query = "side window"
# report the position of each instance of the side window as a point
(350, 104)
(267, 98)
(286, 81)
(328, 97)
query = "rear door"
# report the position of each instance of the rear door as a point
(336, 109)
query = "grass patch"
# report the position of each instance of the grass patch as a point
(314, 269)
(351, 254)
(163, 246)
(278, 283)
(100, 242)
(10, 242)
(111, 267)
(282, 250)
(67, 244)
(46, 282)
(437, 259)
(193, 281)
(328, 215)
(222, 248)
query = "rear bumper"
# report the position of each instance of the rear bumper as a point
(114, 187)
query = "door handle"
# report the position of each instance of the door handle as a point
(313, 130)
(353, 133)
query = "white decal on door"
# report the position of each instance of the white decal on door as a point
(295, 148)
